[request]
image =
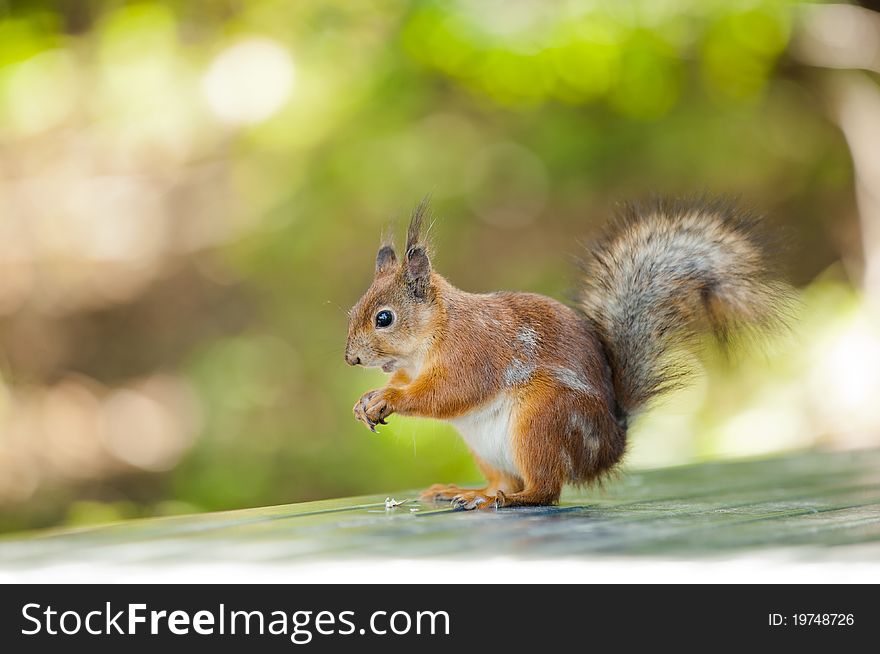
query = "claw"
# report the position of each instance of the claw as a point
(478, 502)
(460, 502)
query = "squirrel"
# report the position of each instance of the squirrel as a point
(543, 392)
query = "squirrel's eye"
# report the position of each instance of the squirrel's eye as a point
(384, 318)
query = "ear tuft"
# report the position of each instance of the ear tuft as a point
(386, 260)
(417, 272)
(414, 232)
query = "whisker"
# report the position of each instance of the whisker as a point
(338, 306)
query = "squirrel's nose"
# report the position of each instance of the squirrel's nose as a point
(352, 360)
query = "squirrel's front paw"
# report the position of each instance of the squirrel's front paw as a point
(378, 407)
(372, 409)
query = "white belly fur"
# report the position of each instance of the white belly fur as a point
(488, 431)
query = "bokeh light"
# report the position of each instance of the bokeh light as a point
(249, 81)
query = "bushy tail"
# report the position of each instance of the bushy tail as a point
(667, 273)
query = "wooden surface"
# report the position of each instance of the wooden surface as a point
(829, 500)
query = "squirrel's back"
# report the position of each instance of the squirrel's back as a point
(664, 274)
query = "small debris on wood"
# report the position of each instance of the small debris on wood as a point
(391, 503)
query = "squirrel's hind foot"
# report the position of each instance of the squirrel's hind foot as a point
(479, 499)
(443, 492)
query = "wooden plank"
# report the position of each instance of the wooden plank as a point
(814, 499)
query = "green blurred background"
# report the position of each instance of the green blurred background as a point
(191, 195)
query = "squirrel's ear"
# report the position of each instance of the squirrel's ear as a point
(386, 260)
(417, 272)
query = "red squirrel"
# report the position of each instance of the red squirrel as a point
(542, 392)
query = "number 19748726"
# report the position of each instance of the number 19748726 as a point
(811, 619)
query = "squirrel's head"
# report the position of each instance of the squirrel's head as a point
(391, 325)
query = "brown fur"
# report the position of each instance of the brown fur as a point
(534, 380)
